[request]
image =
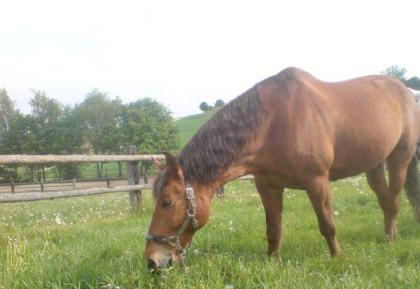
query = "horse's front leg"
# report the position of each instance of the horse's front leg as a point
(319, 193)
(272, 199)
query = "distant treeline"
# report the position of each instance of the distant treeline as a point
(98, 125)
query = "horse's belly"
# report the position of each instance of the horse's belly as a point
(341, 173)
(358, 158)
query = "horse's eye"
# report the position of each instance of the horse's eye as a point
(166, 203)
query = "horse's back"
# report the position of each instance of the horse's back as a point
(344, 128)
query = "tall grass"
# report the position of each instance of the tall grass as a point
(93, 242)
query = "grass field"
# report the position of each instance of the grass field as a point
(93, 242)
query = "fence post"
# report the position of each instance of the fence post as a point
(12, 184)
(133, 177)
(146, 180)
(220, 192)
(119, 170)
(108, 182)
(74, 183)
(42, 185)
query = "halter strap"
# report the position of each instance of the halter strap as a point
(174, 240)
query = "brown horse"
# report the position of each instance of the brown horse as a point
(291, 130)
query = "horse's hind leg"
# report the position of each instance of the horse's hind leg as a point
(398, 165)
(320, 196)
(272, 199)
(377, 182)
(389, 196)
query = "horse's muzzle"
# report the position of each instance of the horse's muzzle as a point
(154, 266)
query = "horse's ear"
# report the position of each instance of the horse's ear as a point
(159, 164)
(171, 163)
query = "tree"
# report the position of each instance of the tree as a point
(37, 133)
(399, 73)
(396, 71)
(17, 138)
(71, 140)
(219, 103)
(8, 139)
(43, 127)
(413, 82)
(7, 111)
(46, 114)
(204, 106)
(149, 125)
(72, 135)
(101, 118)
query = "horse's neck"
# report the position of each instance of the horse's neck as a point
(231, 173)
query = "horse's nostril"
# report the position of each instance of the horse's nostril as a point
(165, 263)
(151, 265)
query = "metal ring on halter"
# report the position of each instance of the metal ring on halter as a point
(191, 212)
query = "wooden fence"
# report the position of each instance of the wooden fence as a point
(128, 155)
(133, 178)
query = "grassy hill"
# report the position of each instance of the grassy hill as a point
(190, 124)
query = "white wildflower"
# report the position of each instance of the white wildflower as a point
(58, 219)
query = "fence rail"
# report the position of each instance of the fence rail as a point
(37, 196)
(47, 159)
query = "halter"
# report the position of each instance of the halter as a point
(174, 240)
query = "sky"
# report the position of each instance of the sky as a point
(184, 52)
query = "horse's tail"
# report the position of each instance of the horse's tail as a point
(412, 186)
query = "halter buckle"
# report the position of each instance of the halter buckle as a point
(189, 191)
(172, 240)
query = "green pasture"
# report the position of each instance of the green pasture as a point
(94, 242)
(188, 126)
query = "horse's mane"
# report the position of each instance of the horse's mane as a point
(220, 141)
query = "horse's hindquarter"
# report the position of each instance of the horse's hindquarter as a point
(371, 121)
(342, 129)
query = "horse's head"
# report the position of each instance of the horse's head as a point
(180, 211)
